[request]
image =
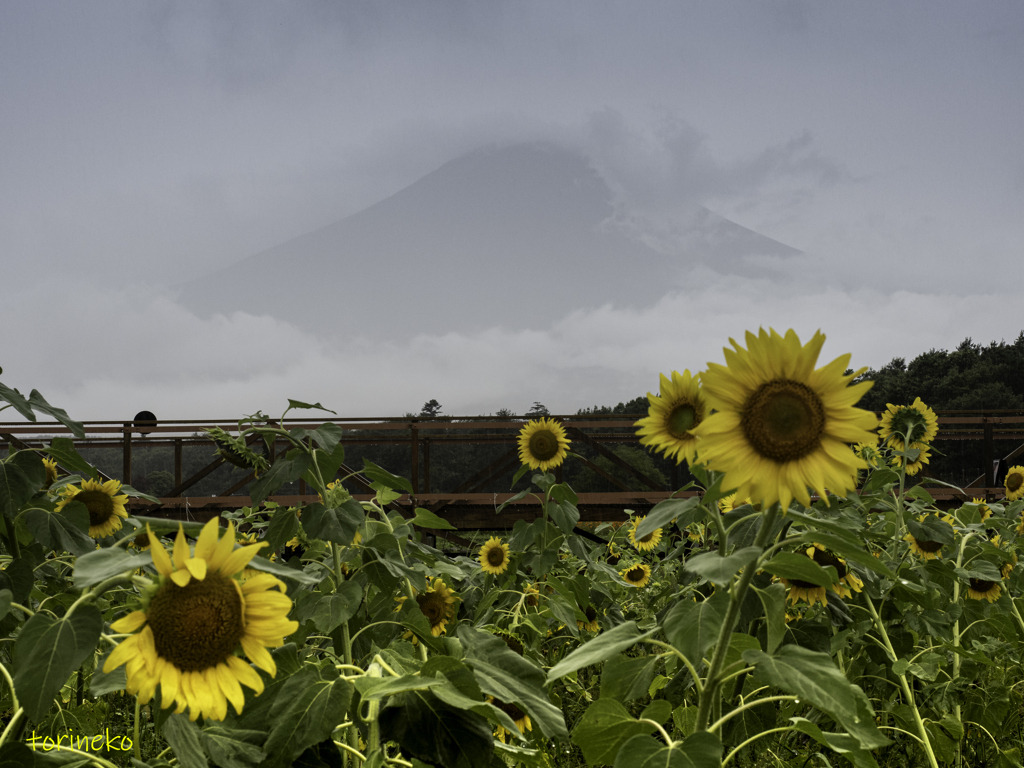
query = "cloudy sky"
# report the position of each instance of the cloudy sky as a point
(143, 144)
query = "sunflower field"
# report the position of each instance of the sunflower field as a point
(799, 603)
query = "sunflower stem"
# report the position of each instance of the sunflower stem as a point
(736, 595)
(723, 535)
(99, 589)
(907, 692)
(138, 753)
(10, 726)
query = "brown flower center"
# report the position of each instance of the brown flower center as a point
(99, 504)
(636, 574)
(496, 556)
(433, 606)
(824, 557)
(1014, 481)
(928, 546)
(683, 418)
(784, 420)
(197, 626)
(590, 613)
(544, 445)
(981, 585)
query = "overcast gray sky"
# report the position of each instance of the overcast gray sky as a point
(142, 144)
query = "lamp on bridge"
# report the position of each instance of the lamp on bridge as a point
(144, 422)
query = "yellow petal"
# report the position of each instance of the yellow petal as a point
(196, 567)
(224, 548)
(181, 578)
(262, 582)
(206, 544)
(169, 684)
(130, 623)
(259, 655)
(201, 692)
(161, 561)
(246, 675)
(240, 558)
(122, 653)
(220, 703)
(229, 685)
(181, 553)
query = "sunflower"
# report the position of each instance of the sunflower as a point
(781, 425)
(520, 718)
(983, 509)
(804, 590)
(543, 444)
(980, 589)
(731, 502)
(916, 421)
(649, 541)
(673, 413)
(494, 556)
(106, 508)
(513, 641)
(637, 575)
(870, 453)
(590, 624)
(929, 550)
(141, 541)
(847, 578)
(912, 467)
(614, 555)
(1014, 483)
(51, 472)
(186, 638)
(436, 603)
(532, 595)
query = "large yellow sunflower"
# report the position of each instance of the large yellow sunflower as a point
(590, 624)
(494, 556)
(672, 414)
(437, 604)
(644, 543)
(194, 623)
(106, 508)
(927, 549)
(637, 575)
(520, 718)
(916, 419)
(915, 466)
(51, 472)
(781, 425)
(980, 589)
(1014, 483)
(848, 580)
(543, 444)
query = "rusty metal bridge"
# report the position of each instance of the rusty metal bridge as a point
(119, 446)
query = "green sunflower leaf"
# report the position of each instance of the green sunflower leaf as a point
(48, 650)
(602, 647)
(337, 524)
(233, 747)
(683, 511)
(426, 519)
(849, 547)
(436, 733)
(604, 728)
(564, 515)
(334, 610)
(720, 570)
(94, 567)
(67, 529)
(509, 677)
(700, 750)
(625, 678)
(327, 436)
(283, 471)
(283, 527)
(842, 743)
(789, 565)
(814, 677)
(38, 403)
(183, 736)
(773, 598)
(380, 475)
(21, 475)
(692, 628)
(298, 404)
(304, 713)
(62, 449)
(107, 682)
(6, 598)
